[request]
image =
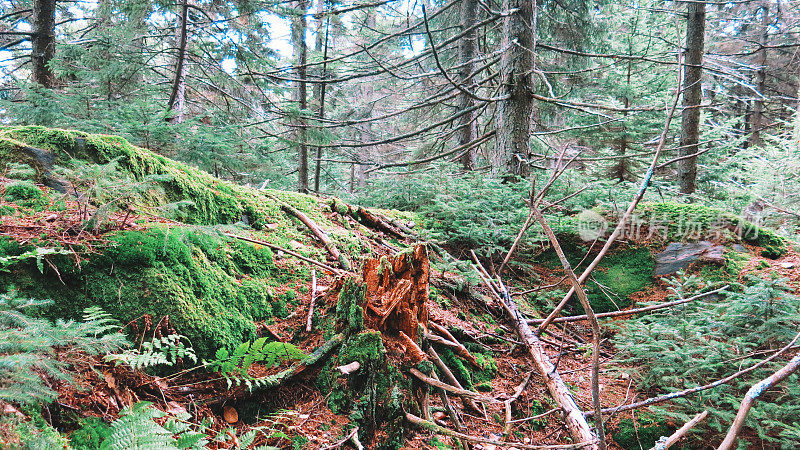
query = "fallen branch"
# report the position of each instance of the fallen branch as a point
(448, 374)
(632, 311)
(449, 340)
(451, 389)
(452, 413)
(313, 298)
(454, 434)
(339, 443)
(517, 391)
(752, 395)
(676, 436)
(622, 221)
(685, 392)
(320, 234)
(287, 251)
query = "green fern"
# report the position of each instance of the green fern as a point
(27, 347)
(233, 366)
(167, 351)
(136, 429)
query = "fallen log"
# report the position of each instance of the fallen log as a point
(287, 251)
(676, 436)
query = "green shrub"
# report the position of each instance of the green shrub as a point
(91, 434)
(642, 434)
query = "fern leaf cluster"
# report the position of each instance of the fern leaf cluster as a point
(166, 350)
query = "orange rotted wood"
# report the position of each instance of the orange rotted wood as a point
(397, 293)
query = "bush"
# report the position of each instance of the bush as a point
(27, 194)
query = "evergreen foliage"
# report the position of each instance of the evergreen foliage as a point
(699, 342)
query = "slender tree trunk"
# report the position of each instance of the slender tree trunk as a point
(692, 95)
(177, 99)
(757, 117)
(44, 41)
(320, 88)
(467, 50)
(300, 57)
(514, 113)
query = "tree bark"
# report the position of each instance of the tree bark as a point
(757, 116)
(321, 44)
(467, 50)
(177, 99)
(692, 95)
(514, 112)
(300, 56)
(44, 41)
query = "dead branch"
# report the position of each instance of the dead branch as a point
(288, 252)
(448, 374)
(320, 234)
(676, 436)
(685, 392)
(624, 220)
(313, 298)
(454, 434)
(633, 311)
(449, 340)
(576, 285)
(451, 389)
(752, 395)
(517, 391)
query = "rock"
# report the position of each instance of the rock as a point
(739, 248)
(678, 256)
(787, 265)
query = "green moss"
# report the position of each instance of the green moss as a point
(643, 434)
(190, 276)
(26, 194)
(620, 275)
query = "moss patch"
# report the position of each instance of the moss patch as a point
(213, 290)
(643, 434)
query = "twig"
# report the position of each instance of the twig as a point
(752, 395)
(320, 234)
(448, 374)
(517, 391)
(450, 341)
(451, 389)
(341, 442)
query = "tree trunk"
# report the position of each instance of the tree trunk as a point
(514, 113)
(44, 41)
(692, 95)
(467, 50)
(757, 117)
(177, 99)
(321, 44)
(300, 57)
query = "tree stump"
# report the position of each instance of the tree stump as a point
(397, 294)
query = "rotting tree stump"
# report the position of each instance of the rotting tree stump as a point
(397, 294)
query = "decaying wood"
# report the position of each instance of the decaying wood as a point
(628, 312)
(347, 369)
(397, 293)
(287, 251)
(676, 436)
(427, 424)
(320, 234)
(752, 395)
